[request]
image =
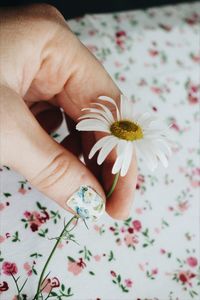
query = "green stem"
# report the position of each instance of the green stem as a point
(18, 290)
(60, 237)
(50, 256)
(113, 185)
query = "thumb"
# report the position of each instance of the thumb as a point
(53, 170)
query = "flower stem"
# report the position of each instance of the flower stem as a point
(113, 185)
(18, 290)
(50, 256)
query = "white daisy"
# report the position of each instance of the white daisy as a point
(125, 131)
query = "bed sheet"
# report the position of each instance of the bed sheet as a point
(153, 55)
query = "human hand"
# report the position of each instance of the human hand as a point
(41, 59)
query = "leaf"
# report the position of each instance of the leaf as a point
(40, 206)
(36, 255)
(68, 291)
(62, 287)
(111, 256)
(53, 294)
(114, 281)
(144, 245)
(71, 259)
(118, 278)
(6, 167)
(145, 233)
(7, 195)
(91, 273)
(34, 271)
(127, 221)
(41, 234)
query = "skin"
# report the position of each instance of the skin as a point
(44, 67)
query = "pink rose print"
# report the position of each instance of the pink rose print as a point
(192, 261)
(35, 219)
(186, 276)
(9, 268)
(22, 191)
(195, 57)
(3, 286)
(2, 206)
(55, 282)
(46, 286)
(97, 257)
(130, 240)
(76, 267)
(183, 206)
(2, 238)
(120, 38)
(140, 183)
(28, 268)
(182, 277)
(193, 93)
(128, 283)
(137, 225)
(113, 273)
(154, 271)
(156, 90)
(117, 279)
(153, 52)
(193, 19)
(50, 284)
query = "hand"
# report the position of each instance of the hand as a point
(41, 59)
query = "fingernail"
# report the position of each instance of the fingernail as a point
(87, 203)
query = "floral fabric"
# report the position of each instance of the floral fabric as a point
(154, 56)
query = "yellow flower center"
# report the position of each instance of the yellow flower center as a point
(126, 130)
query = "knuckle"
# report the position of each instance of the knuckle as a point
(53, 173)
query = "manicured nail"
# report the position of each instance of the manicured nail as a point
(87, 203)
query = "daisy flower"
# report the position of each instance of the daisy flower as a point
(125, 131)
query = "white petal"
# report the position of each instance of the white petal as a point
(164, 145)
(162, 158)
(125, 108)
(145, 123)
(117, 165)
(127, 158)
(121, 146)
(98, 111)
(106, 149)
(120, 155)
(108, 99)
(143, 117)
(98, 145)
(92, 125)
(93, 116)
(148, 156)
(107, 111)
